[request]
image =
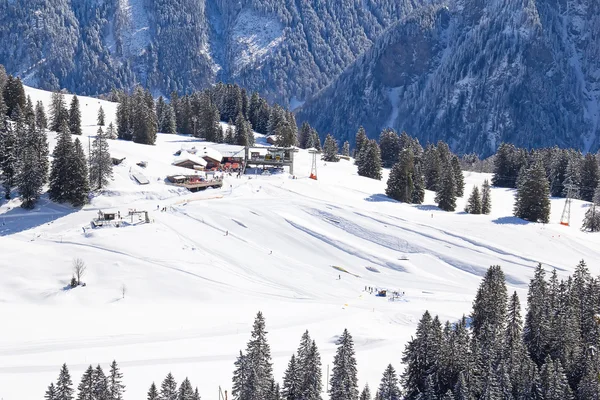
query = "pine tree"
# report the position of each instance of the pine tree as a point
(486, 198)
(432, 167)
(370, 160)
(591, 221)
(532, 199)
(258, 356)
(309, 365)
(589, 386)
(459, 179)
(41, 122)
(536, 335)
(58, 111)
(100, 385)
(388, 388)
(344, 382)
(153, 393)
(111, 133)
(461, 390)
(101, 116)
(124, 119)
(304, 136)
(418, 194)
(400, 182)
(366, 393)
(51, 392)
(79, 186)
(196, 394)
(116, 387)
(330, 149)
(389, 143)
(8, 157)
(168, 388)
(490, 307)
(229, 136)
(75, 117)
(316, 140)
(505, 166)
(292, 381)
(445, 196)
(474, 205)
(554, 382)
(100, 161)
(590, 177)
(64, 385)
(360, 140)
(85, 387)
(186, 392)
(346, 149)
(241, 389)
(30, 178)
(242, 131)
(14, 94)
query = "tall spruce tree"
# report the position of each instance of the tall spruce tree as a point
(100, 161)
(360, 140)
(243, 131)
(186, 391)
(116, 388)
(304, 136)
(344, 381)
(75, 117)
(486, 198)
(474, 205)
(258, 356)
(366, 393)
(101, 116)
(536, 330)
(64, 385)
(459, 179)
(79, 186)
(100, 385)
(86, 385)
(241, 389)
(31, 176)
(388, 388)
(400, 184)
(14, 94)
(432, 168)
(346, 149)
(370, 160)
(309, 365)
(41, 122)
(590, 176)
(292, 381)
(58, 111)
(554, 381)
(168, 388)
(389, 143)
(330, 149)
(591, 221)
(445, 195)
(51, 391)
(490, 307)
(532, 199)
(61, 169)
(111, 133)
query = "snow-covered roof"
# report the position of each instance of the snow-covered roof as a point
(185, 156)
(209, 152)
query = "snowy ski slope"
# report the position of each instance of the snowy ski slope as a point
(193, 290)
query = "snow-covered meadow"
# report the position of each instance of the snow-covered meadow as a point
(197, 275)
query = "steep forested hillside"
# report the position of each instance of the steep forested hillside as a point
(476, 74)
(285, 49)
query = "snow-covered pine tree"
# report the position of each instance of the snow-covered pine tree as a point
(101, 116)
(304, 136)
(366, 393)
(400, 184)
(590, 176)
(445, 195)
(486, 198)
(474, 205)
(370, 160)
(116, 388)
(8, 157)
(316, 140)
(64, 385)
(125, 118)
(168, 388)
(111, 133)
(430, 392)
(14, 94)
(536, 329)
(558, 171)
(432, 168)
(85, 388)
(330, 149)
(75, 117)
(241, 389)
(418, 193)
(196, 394)
(359, 142)
(51, 391)
(153, 393)
(100, 385)
(555, 385)
(286, 135)
(459, 179)
(346, 149)
(388, 388)
(573, 173)
(229, 134)
(79, 185)
(505, 168)
(41, 122)
(589, 386)
(100, 161)
(532, 199)
(514, 347)
(258, 356)
(30, 178)
(344, 381)
(461, 390)
(292, 381)
(3, 107)
(186, 391)
(29, 112)
(389, 143)
(591, 221)
(309, 367)
(241, 131)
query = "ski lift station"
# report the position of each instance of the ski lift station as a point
(276, 157)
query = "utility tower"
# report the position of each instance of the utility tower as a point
(565, 219)
(313, 168)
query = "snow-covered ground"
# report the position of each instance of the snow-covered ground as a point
(193, 290)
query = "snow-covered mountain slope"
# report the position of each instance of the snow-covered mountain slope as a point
(475, 74)
(199, 272)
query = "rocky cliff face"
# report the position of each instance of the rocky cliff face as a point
(475, 74)
(287, 50)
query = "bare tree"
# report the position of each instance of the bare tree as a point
(123, 290)
(79, 268)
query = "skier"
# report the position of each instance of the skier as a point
(339, 277)
(226, 233)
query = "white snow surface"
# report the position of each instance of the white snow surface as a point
(193, 290)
